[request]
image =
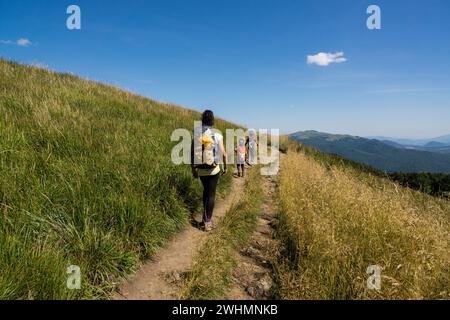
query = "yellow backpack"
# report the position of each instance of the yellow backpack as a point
(205, 150)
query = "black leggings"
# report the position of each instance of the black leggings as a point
(240, 168)
(209, 195)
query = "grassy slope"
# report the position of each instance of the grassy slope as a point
(338, 219)
(85, 179)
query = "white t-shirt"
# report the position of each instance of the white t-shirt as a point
(216, 170)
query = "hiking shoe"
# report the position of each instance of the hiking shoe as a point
(208, 226)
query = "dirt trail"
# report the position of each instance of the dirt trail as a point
(158, 279)
(252, 280)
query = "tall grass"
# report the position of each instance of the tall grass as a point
(336, 222)
(210, 276)
(284, 144)
(85, 179)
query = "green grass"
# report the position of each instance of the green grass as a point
(210, 276)
(85, 179)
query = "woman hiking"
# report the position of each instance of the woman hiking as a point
(207, 154)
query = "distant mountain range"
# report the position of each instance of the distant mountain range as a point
(439, 144)
(387, 154)
(443, 140)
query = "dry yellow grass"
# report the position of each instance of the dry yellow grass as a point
(334, 225)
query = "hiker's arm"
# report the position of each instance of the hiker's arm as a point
(224, 155)
(194, 171)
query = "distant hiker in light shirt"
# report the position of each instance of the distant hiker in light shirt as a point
(241, 152)
(252, 145)
(208, 152)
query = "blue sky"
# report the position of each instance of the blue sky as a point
(247, 59)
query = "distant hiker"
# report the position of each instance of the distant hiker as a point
(252, 145)
(241, 152)
(207, 154)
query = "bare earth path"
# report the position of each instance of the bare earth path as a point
(252, 280)
(157, 279)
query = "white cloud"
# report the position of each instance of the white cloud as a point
(22, 42)
(324, 59)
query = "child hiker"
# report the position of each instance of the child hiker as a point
(241, 152)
